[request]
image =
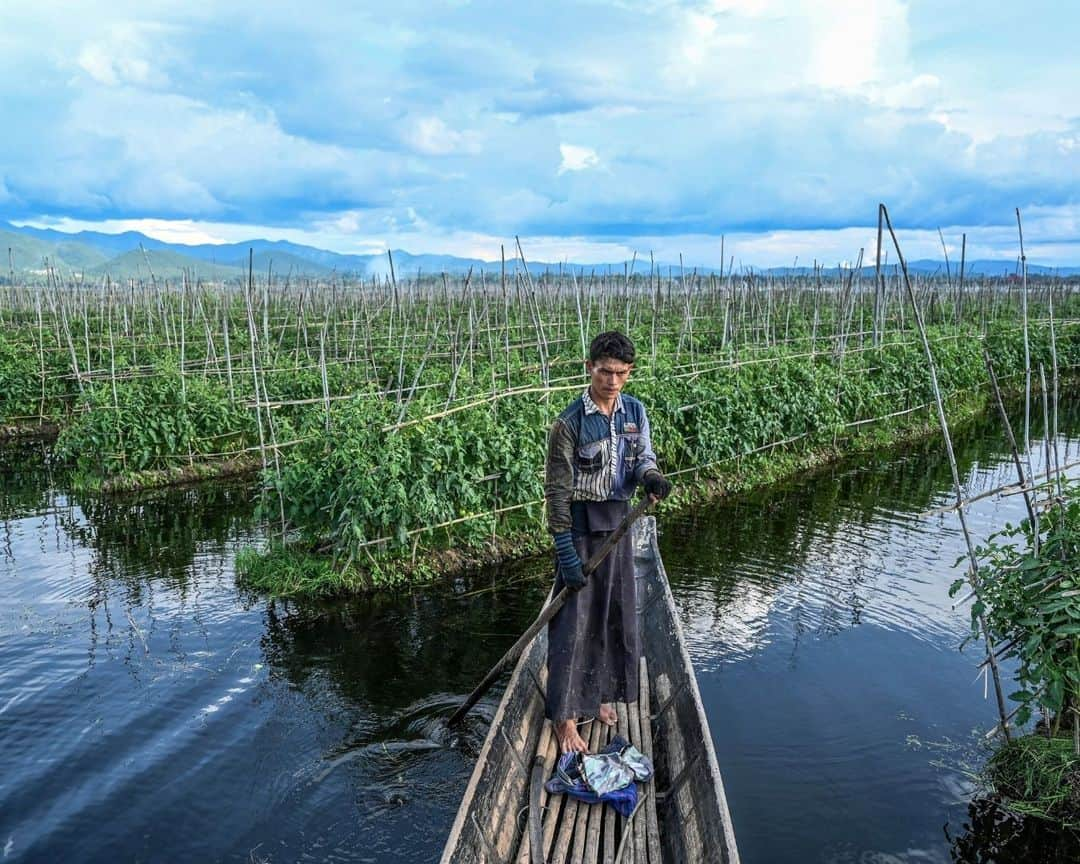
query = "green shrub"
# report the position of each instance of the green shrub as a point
(152, 422)
(21, 392)
(1031, 602)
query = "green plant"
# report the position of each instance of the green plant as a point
(23, 392)
(1031, 603)
(152, 422)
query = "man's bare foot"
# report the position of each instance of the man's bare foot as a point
(607, 715)
(569, 739)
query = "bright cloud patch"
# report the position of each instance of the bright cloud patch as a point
(122, 56)
(856, 43)
(432, 136)
(575, 158)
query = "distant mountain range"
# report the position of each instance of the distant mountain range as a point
(93, 255)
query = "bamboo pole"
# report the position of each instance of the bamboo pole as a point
(1008, 432)
(973, 571)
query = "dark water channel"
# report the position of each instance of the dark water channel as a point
(151, 711)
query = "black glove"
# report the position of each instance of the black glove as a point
(573, 576)
(656, 484)
(569, 563)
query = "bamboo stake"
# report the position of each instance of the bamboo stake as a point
(228, 353)
(325, 380)
(255, 378)
(973, 571)
(1008, 432)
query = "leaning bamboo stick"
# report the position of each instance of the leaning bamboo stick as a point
(1003, 414)
(608, 837)
(973, 571)
(623, 727)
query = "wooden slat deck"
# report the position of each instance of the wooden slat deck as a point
(683, 815)
(575, 828)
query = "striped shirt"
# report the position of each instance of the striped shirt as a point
(593, 456)
(597, 486)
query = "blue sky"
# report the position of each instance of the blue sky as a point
(590, 129)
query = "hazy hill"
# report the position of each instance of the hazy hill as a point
(119, 256)
(235, 256)
(283, 253)
(164, 264)
(929, 267)
(111, 245)
(30, 253)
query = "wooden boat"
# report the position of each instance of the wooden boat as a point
(682, 814)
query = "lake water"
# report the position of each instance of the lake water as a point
(151, 711)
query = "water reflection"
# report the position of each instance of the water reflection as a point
(379, 653)
(25, 479)
(816, 615)
(819, 624)
(990, 835)
(157, 534)
(847, 545)
(154, 534)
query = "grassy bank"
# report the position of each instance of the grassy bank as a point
(1039, 777)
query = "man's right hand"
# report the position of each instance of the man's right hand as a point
(569, 563)
(573, 576)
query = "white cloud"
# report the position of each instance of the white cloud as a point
(854, 44)
(745, 8)
(920, 92)
(150, 151)
(431, 136)
(123, 56)
(577, 158)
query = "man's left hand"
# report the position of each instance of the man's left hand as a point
(657, 485)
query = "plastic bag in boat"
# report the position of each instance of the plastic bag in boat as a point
(605, 777)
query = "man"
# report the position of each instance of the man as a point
(598, 452)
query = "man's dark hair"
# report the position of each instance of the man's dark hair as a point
(612, 344)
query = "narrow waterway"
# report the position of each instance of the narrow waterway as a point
(151, 711)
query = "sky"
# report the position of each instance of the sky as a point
(591, 130)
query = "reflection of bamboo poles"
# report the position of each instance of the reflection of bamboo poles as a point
(973, 571)
(1005, 490)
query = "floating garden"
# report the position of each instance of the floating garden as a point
(399, 425)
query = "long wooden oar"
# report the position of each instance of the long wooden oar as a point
(549, 612)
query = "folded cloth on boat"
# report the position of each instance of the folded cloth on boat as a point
(605, 777)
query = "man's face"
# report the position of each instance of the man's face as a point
(607, 376)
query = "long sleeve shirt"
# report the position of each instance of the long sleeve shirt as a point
(595, 457)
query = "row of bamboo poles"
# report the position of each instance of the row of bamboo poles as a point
(521, 326)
